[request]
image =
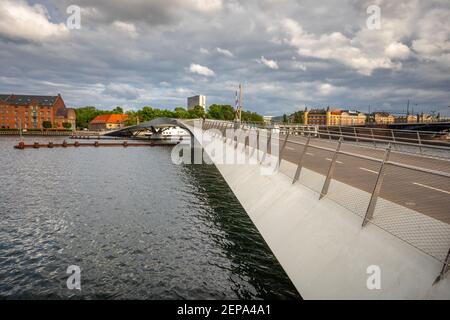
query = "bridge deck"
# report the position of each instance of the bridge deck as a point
(416, 190)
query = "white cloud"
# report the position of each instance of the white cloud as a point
(299, 66)
(334, 46)
(122, 91)
(201, 70)
(128, 28)
(225, 52)
(206, 5)
(397, 50)
(327, 89)
(272, 64)
(21, 21)
(204, 51)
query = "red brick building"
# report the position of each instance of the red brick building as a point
(35, 112)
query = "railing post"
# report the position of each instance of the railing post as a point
(446, 266)
(376, 189)
(420, 141)
(282, 149)
(267, 147)
(356, 135)
(445, 269)
(330, 173)
(329, 136)
(373, 137)
(300, 160)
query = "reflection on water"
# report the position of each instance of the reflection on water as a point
(137, 225)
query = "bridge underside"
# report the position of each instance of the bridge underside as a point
(436, 127)
(157, 125)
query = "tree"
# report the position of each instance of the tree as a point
(299, 117)
(118, 110)
(67, 125)
(196, 112)
(220, 112)
(285, 118)
(251, 116)
(86, 114)
(46, 124)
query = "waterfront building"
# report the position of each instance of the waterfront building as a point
(382, 118)
(426, 118)
(405, 119)
(108, 122)
(352, 118)
(334, 117)
(35, 112)
(267, 119)
(194, 101)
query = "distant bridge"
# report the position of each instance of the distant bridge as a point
(431, 126)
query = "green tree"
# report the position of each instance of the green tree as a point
(285, 118)
(46, 124)
(67, 125)
(118, 110)
(251, 116)
(299, 117)
(220, 112)
(196, 112)
(86, 114)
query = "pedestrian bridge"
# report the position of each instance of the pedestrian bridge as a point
(347, 216)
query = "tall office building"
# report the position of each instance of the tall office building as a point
(194, 101)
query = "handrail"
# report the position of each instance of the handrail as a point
(360, 156)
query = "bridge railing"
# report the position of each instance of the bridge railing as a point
(423, 142)
(406, 195)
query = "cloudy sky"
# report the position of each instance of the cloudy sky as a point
(287, 54)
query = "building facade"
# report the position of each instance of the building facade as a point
(35, 112)
(406, 119)
(383, 118)
(334, 117)
(108, 122)
(194, 101)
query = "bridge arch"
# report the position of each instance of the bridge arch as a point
(156, 125)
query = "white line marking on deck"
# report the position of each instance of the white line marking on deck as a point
(368, 170)
(289, 148)
(432, 188)
(337, 161)
(310, 154)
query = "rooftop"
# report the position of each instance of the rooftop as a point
(15, 99)
(109, 118)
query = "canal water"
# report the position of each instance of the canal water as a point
(138, 226)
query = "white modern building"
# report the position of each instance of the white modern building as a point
(194, 101)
